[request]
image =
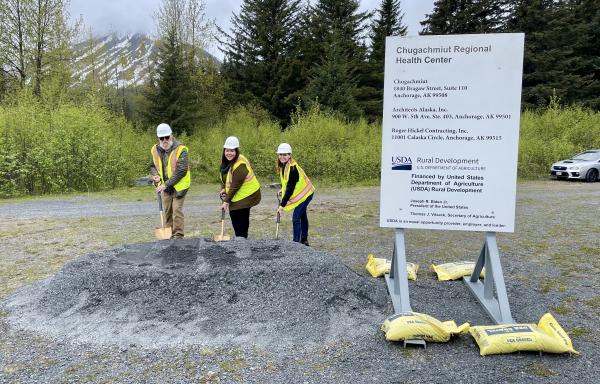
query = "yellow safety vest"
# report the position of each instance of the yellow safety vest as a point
(302, 190)
(186, 180)
(250, 185)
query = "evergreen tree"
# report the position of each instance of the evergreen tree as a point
(259, 54)
(174, 93)
(333, 86)
(168, 94)
(334, 35)
(387, 23)
(577, 37)
(537, 19)
(465, 16)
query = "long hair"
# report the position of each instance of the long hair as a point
(225, 162)
(279, 167)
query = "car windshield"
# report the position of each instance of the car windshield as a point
(587, 156)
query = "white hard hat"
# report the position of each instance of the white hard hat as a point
(284, 148)
(163, 130)
(231, 142)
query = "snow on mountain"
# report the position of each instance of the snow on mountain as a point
(117, 61)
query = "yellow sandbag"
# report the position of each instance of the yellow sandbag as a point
(453, 271)
(547, 336)
(414, 325)
(411, 269)
(377, 267)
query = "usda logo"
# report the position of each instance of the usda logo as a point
(401, 163)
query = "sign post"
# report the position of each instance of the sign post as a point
(449, 148)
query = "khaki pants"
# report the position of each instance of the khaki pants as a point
(173, 207)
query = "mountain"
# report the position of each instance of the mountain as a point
(118, 61)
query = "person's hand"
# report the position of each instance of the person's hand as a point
(160, 188)
(156, 178)
(225, 206)
(280, 211)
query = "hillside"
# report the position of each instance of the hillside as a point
(117, 61)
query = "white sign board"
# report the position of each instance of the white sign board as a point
(451, 132)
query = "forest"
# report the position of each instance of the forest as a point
(307, 73)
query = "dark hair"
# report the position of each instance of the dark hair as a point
(225, 162)
(281, 166)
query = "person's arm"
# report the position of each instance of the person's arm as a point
(289, 189)
(180, 169)
(154, 171)
(237, 180)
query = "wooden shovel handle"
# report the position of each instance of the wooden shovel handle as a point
(222, 222)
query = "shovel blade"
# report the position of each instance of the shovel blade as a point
(163, 233)
(222, 237)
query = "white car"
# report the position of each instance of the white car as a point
(584, 166)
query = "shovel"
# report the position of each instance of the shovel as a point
(278, 218)
(162, 233)
(277, 227)
(222, 237)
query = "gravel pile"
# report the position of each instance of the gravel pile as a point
(272, 294)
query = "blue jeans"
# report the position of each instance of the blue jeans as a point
(300, 221)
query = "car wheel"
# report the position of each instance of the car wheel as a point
(592, 175)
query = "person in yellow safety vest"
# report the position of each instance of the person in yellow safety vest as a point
(296, 191)
(170, 170)
(240, 189)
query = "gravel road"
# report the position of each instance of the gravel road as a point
(551, 264)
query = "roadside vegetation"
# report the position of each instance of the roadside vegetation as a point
(315, 85)
(84, 147)
(554, 134)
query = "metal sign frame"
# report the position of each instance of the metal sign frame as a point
(491, 294)
(397, 282)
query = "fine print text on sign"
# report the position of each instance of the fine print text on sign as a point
(451, 132)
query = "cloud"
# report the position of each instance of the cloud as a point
(133, 16)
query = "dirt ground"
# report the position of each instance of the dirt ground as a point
(551, 264)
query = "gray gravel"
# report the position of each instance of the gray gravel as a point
(551, 264)
(272, 294)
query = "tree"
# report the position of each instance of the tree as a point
(388, 23)
(259, 54)
(171, 95)
(543, 58)
(574, 37)
(333, 86)
(13, 38)
(35, 40)
(334, 36)
(465, 16)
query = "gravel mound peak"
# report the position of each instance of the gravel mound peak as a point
(273, 294)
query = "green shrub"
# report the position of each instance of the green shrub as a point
(84, 147)
(326, 147)
(554, 134)
(67, 148)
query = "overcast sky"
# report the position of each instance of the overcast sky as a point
(132, 16)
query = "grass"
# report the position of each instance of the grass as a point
(559, 284)
(579, 331)
(566, 307)
(540, 370)
(594, 302)
(344, 222)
